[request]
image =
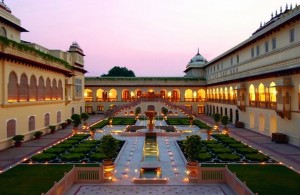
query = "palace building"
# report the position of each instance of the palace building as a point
(257, 82)
(39, 87)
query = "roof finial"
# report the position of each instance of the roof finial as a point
(198, 51)
(260, 24)
(271, 15)
(280, 9)
(286, 7)
(291, 7)
(276, 13)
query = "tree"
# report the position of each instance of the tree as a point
(192, 146)
(119, 72)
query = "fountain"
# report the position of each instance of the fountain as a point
(150, 115)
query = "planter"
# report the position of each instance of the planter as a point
(192, 163)
(107, 162)
(239, 124)
(18, 144)
(63, 125)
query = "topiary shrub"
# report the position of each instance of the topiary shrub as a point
(215, 146)
(62, 145)
(221, 150)
(204, 157)
(80, 150)
(192, 146)
(72, 157)
(246, 150)
(97, 157)
(257, 157)
(43, 157)
(229, 157)
(71, 141)
(86, 145)
(238, 145)
(55, 150)
(209, 142)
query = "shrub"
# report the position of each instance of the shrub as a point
(86, 145)
(209, 142)
(43, 157)
(204, 157)
(71, 141)
(18, 138)
(221, 150)
(257, 157)
(55, 150)
(76, 120)
(97, 156)
(72, 157)
(237, 145)
(38, 134)
(109, 146)
(215, 146)
(246, 150)
(63, 145)
(80, 150)
(228, 157)
(192, 146)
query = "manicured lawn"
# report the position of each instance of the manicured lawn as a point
(100, 125)
(31, 179)
(268, 179)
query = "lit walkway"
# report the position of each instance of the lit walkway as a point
(285, 153)
(11, 156)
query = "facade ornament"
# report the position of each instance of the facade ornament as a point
(280, 9)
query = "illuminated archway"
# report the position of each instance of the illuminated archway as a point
(272, 92)
(261, 92)
(88, 95)
(251, 93)
(201, 95)
(188, 95)
(112, 95)
(226, 93)
(100, 95)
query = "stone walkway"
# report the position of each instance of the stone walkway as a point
(11, 156)
(287, 154)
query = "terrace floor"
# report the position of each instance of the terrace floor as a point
(173, 165)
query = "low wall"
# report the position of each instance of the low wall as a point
(77, 175)
(221, 175)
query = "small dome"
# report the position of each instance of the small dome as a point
(75, 47)
(3, 6)
(197, 60)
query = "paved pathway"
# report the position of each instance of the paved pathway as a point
(287, 154)
(11, 156)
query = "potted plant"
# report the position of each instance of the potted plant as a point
(109, 146)
(92, 132)
(69, 121)
(110, 119)
(76, 120)
(18, 140)
(208, 132)
(192, 146)
(191, 119)
(217, 118)
(84, 117)
(137, 112)
(52, 128)
(239, 124)
(63, 125)
(225, 122)
(164, 111)
(38, 134)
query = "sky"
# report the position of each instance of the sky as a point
(149, 37)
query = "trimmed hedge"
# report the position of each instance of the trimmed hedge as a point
(43, 157)
(246, 150)
(221, 150)
(72, 157)
(257, 157)
(80, 150)
(205, 157)
(228, 157)
(55, 150)
(97, 156)
(63, 145)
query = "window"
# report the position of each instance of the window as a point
(252, 52)
(12, 87)
(231, 61)
(292, 35)
(3, 32)
(274, 43)
(31, 123)
(11, 128)
(266, 47)
(47, 120)
(257, 50)
(78, 88)
(237, 59)
(58, 117)
(100, 108)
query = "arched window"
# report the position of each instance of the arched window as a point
(112, 95)
(231, 93)
(33, 89)
(73, 111)
(12, 87)
(23, 88)
(54, 90)
(221, 95)
(47, 120)
(60, 90)
(11, 128)
(41, 89)
(273, 92)
(261, 92)
(58, 117)
(251, 93)
(3, 32)
(188, 95)
(31, 123)
(48, 89)
(226, 93)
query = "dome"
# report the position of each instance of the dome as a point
(75, 48)
(3, 6)
(198, 59)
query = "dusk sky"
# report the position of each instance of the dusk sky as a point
(150, 37)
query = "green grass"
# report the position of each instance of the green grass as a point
(123, 121)
(31, 179)
(100, 125)
(268, 179)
